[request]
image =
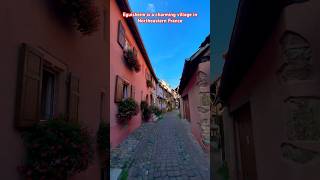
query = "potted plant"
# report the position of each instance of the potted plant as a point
(149, 83)
(131, 59)
(83, 14)
(56, 150)
(127, 108)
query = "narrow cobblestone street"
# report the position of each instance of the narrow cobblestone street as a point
(162, 150)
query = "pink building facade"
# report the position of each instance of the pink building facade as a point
(271, 113)
(194, 89)
(135, 82)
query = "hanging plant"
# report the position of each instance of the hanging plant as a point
(83, 13)
(127, 108)
(149, 83)
(56, 150)
(131, 59)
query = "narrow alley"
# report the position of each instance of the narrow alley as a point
(164, 149)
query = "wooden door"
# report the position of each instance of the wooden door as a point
(242, 117)
(186, 107)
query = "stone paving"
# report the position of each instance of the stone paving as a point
(162, 150)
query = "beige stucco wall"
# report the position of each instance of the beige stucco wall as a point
(33, 22)
(267, 88)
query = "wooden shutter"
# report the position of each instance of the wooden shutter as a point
(119, 90)
(73, 98)
(121, 35)
(133, 92)
(29, 87)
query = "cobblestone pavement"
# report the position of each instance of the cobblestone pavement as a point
(165, 150)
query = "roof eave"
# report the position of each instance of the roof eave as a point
(253, 25)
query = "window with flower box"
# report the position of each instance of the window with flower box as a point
(123, 89)
(40, 88)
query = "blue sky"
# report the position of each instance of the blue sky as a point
(223, 13)
(168, 45)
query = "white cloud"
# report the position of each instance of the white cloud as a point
(151, 7)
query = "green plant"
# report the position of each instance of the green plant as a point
(149, 83)
(127, 108)
(125, 172)
(56, 150)
(223, 171)
(84, 14)
(131, 59)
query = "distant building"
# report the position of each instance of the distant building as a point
(194, 90)
(161, 99)
(270, 91)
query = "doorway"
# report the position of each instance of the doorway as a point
(186, 108)
(243, 125)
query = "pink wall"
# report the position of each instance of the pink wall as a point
(117, 67)
(193, 91)
(265, 92)
(34, 23)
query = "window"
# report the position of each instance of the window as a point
(121, 35)
(123, 89)
(47, 94)
(37, 88)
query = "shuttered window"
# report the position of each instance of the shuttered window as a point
(29, 87)
(73, 98)
(133, 92)
(123, 90)
(121, 35)
(38, 88)
(119, 90)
